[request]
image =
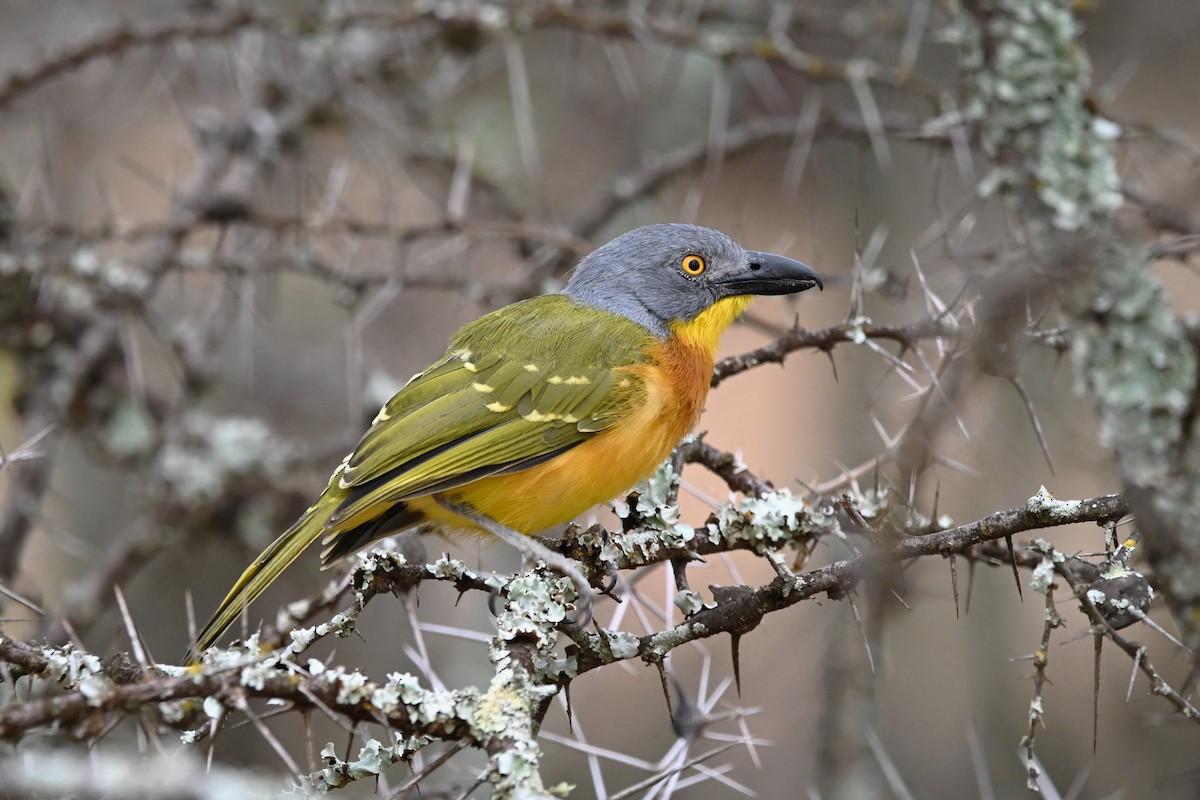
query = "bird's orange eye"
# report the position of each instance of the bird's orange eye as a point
(692, 264)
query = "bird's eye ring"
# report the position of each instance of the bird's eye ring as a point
(692, 264)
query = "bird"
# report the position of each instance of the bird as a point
(542, 409)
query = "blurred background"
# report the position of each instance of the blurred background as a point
(260, 218)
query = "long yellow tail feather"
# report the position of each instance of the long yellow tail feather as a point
(259, 575)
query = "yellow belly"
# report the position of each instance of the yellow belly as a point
(601, 468)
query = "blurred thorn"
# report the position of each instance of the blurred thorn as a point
(887, 766)
(16, 598)
(1033, 418)
(420, 656)
(688, 720)
(959, 467)
(918, 18)
(875, 246)
(954, 582)
(135, 638)
(331, 195)
(832, 364)
(941, 390)
(747, 739)
(367, 312)
(135, 364)
(1133, 673)
(933, 304)
(662, 677)
(618, 62)
(415, 781)
(1012, 559)
(858, 72)
(970, 586)
(1150, 623)
(937, 229)
(270, 737)
(962, 231)
(881, 384)
(1110, 87)
(761, 79)
(112, 214)
(979, 763)
(862, 632)
(856, 277)
(28, 450)
(460, 183)
(570, 711)
(901, 367)
(889, 441)
(310, 750)
(1030, 322)
(802, 142)
(1099, 642)
(189, 607)
(111, 726)
(690, 208)
(522, 102)
(960, 146)
(1076, 788)
(781, 19)
(1190, 680)
(143, 173)
(673, 769)
(214, 727)
(735, 640)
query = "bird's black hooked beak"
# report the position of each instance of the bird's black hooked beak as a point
(767, 273)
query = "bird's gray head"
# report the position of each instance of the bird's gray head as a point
(662, 274)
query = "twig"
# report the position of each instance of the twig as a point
(827, 338)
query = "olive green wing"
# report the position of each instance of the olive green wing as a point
(517, 388)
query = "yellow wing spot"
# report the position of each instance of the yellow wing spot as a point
(464, 356)
(537, 416)
(578, 380)
(382, 416)
(532, 368)
(555, 379)
(483, 387)
(498, 407)
(570, 419)
(337, 473)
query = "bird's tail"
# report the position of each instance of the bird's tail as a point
(260, 574)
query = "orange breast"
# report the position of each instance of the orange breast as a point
(608, 464)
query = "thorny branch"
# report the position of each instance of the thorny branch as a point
(853, 331)
(1081, 575)
(737, 610)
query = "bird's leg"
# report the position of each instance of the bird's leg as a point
(533, 550)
